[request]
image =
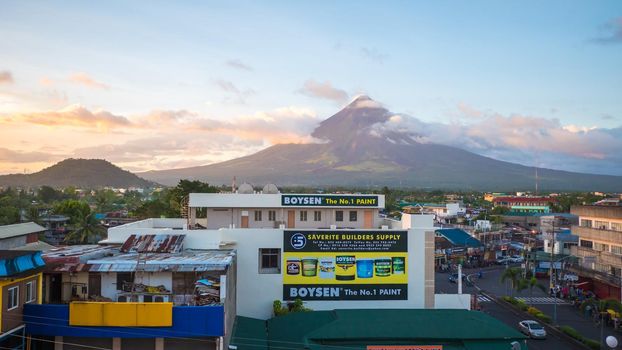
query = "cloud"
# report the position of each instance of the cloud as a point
(237, 96)
(611, 33)
(12, 156)
(47, 82)
(86, 80)
(608, 117)
(6, 77)
(74, 115)
(237, 64)
(374, 55)
(323, 90)
(518, 138)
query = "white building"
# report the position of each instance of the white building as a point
(332, 251)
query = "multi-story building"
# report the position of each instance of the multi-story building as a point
(20, 285)
(600, 247)
(525, 204)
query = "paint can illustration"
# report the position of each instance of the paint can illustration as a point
(383, 267)
(309, 267)
(327, 268)
(365, 268)
(399, 265)
(293, 266)
(345, 267)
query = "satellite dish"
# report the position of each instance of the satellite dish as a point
(245, 189)
(270, 188)
(611, 341)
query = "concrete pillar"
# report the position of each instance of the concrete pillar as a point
(429, 270)
(58, 343)
(116, 343)
(159, 343)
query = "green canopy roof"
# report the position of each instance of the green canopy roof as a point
(458, 237)
(330, 330)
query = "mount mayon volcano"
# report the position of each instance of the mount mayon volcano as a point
(354, 149)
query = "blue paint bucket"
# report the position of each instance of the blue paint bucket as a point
(365, 268)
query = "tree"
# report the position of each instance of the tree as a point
(183, 188)
(75, 210)
(513, 274)
(87, 230)
(8, 213)
(48, 195)
(530, 283)
(104, 200)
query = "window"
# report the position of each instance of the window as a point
(616, 249)
(124, 281)
(13, 301)
(586, 244)
(257, 215)
(317, 215)
(269, 260)
(586, 223)
(303, 215)
(339, 215)
(147, 298)
(601, 247)
(616, 226)
(353, 215)
(31, 292)
(601, 225)
(271, 215)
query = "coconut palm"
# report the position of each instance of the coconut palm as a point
(512, 274)
(530, 283)
(86, 230)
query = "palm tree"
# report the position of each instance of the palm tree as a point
(530, 283)
(85, 230)
(513, 274)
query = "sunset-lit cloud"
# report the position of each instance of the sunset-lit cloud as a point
(86, 80)
(323, 90)
(74, 115)
(6, 77)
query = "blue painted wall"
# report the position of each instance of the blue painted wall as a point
(188, 322)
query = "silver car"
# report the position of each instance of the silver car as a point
(532, 328)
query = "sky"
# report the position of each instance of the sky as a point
(154, 85)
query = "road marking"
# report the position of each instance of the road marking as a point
(483, 299)
(542, 300)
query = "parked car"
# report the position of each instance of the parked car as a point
(453, 278)
(517, 259)
(532, 329)
(503, 260)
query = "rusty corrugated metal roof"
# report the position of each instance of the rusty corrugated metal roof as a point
(153, 244)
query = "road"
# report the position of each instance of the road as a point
(491, 281)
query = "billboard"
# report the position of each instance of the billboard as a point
(345, 265)
(319, 200)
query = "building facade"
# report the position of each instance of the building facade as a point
(525, 204)
(600, 247)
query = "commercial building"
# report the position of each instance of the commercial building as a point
(148, 293)
(525, 204)
(293, 246)
(20, 285)
(600, 248)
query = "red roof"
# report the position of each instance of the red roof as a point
(525, 199)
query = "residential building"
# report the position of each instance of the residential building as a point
(600, 247)
(540, 222)
(147, 293)
(20, 285)
(524, 204)
(55, 228)
(23, 236)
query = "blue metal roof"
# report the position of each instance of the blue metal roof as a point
(458, 237)
(14, 262)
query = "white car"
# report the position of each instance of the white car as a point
(532, 328)
(517, 259)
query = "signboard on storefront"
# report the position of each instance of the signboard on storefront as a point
(318, 200)
(345, 265)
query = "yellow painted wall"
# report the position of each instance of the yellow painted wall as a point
(111, 314)
(14, 280)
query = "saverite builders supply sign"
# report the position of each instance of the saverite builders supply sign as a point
(345, 265)
(318, 200)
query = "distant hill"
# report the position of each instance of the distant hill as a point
(356, 152)
(85, 173)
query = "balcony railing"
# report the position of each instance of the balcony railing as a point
(187, 322)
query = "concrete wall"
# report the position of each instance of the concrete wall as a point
(13, 242)
(452, 301)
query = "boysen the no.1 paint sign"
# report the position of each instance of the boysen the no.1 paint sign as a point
(345, 265)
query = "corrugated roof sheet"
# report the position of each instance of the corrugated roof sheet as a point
(77, 253)
(458, 237)
(186, 261)
(38, 245)
(8, 231)
(153, 244)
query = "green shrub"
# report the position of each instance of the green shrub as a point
(544, 318)
(571, 332)
(533, 311)
(521, 305)
(592, 344)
